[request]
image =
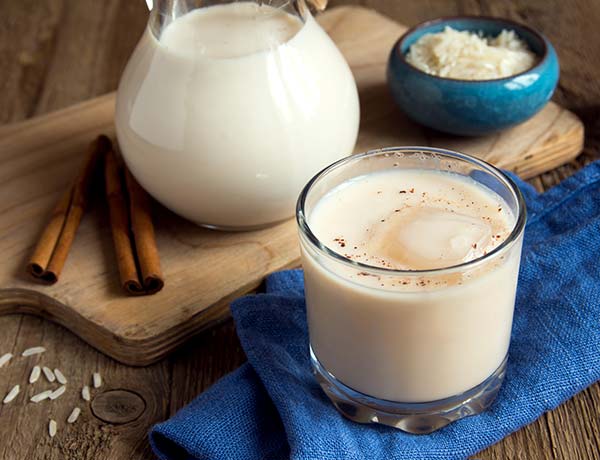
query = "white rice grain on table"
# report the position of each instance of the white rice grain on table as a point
(49, 374)
(33, 351)
(52, 428)
(60, 376)
(57, 393)
(12, 394)
(97, 380)
(41, 396)
(6, 357)
(74, 415)
(35, 374)
(85, 393)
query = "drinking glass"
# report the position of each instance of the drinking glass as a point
(423, 355)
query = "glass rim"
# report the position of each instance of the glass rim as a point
(155, 25)
(514, 235)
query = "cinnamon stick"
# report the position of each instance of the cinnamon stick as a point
(52, 249)
(132, 230)
(143, 234)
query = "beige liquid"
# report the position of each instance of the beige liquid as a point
(228, 114)
(412, 338)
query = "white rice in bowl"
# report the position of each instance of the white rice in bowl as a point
(467, 55)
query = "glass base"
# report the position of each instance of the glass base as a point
(416, 418)
(225, 228)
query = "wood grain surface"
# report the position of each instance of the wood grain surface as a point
(54, 53)
(205, 269)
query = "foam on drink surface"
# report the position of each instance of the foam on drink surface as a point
(411, 219)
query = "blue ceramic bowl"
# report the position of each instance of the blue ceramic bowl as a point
(472, 107)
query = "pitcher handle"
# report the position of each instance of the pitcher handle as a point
(319, 5)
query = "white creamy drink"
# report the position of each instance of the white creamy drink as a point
(232, 109)
(418, 337)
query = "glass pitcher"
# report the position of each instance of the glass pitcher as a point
(227, 108)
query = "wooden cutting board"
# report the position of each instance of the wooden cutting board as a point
(204, 269)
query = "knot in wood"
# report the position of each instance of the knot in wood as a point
(118, 406)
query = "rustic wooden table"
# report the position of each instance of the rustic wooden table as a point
(54, 53)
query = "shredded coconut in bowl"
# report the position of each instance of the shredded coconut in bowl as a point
(467, 55)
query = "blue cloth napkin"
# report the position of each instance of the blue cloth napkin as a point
(272, 408)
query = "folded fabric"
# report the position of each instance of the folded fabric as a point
(272, 408)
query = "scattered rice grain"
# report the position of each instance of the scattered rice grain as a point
(5, 358)
(60, 376)
(35, 374)
(33, 351)
(74, 415)
(85, 393)
(49, 374)
(57, 393)
(12, 394)
(41, 396)
(97, 380)
(52, 428)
